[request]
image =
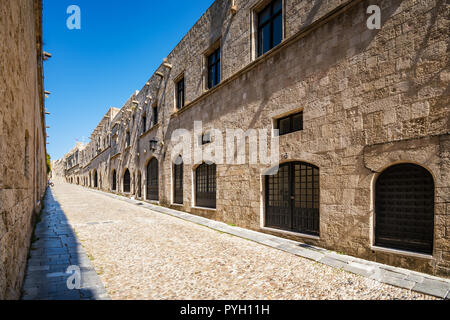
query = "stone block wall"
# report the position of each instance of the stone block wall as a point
(370, 99)
(23, 171)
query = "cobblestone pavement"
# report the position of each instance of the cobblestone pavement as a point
(142, 254)
(54, 250)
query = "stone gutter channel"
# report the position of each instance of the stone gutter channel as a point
(398, 277)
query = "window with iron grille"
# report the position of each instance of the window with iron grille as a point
(270, 26)
(291, 123)
(404, 209)
(153, 180)
(214, 69)
(180, 93)
(292, 198)
(205, 186)
(178, 181)
(127, 182)
(114, 181)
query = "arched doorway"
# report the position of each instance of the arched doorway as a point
(153, 180)
(404, 209)
(139, 185)
(95, 179)
(178, 181)
(292, 199)
(205, 186)
(127, 182)
(114, 180)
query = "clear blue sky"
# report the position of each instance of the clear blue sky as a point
(119, 46)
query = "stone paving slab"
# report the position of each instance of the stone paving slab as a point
(398, 277)
(56, 249)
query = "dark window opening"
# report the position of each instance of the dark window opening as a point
(128, 139)
(205, 138)
(178, 181)
(404, 209)
(127, 182)
(214, 69)
(292, 199)
(114, 181)
(270, 27)
(205, 186)
(289, 124)
(144, 123)
(155, 115)
(180, 94)
(153, 180)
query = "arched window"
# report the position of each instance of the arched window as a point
(139, 185)
(127, 182)
(114, 181)
(153, 180)
(178, 181)
(205, 186)
(292, 198)
(404, 209)
(95, 179)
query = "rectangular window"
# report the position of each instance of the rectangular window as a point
(289, 124)
(155, 115)
(270, 27)
(180, 94)
(144, 123)
(128, 139)
(214, 69)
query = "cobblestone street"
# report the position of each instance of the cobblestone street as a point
(141, 254)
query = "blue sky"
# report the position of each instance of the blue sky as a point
(119, 46)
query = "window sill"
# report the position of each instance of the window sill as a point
(177, 204)
(204, 208)
(403, 253)
(149, 130)
(291, 233)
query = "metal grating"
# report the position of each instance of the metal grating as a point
(404, 209)
(205, 186)
(178, 182)
(153, 180)
(292, 198)
(127, 182)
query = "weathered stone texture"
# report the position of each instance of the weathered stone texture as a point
(371, 99)
(22, 131)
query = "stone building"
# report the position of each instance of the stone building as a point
(362, 117)
(23, 169)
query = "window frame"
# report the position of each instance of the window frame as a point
(259, 27)
(180, 93)
(206, 173)
(291, 125)
(217, 65)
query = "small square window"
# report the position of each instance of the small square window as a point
(291, 123)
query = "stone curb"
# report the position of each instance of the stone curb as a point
(398, 277)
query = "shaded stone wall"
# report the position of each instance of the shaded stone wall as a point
(23, 172)
(371, 99)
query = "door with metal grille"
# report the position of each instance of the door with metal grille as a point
(127, 182)
(153, 180)
(292, 198)
(114, 181)
(139, 185)
(205, 186)
(178, 181)
(404, 209)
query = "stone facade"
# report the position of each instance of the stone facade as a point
(370, 99)
(23, 170)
